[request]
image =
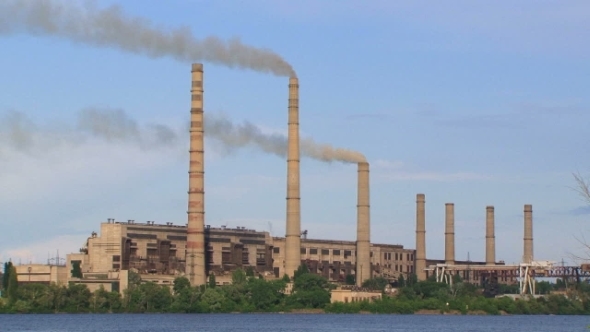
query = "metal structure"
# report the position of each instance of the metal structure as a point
(363, 233)
(293, 229)
(525, 273)
(195, 244)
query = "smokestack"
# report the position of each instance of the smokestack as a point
(528, 233)
(420, 237)
(293, 236)
(490, 237)
(450, 233)
(195, 242)
(363, 232)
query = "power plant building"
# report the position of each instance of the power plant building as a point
(160, 250)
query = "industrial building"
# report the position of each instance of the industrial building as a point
(157, 251)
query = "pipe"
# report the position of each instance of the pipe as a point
(490, 237)
(293, 229)
(528, 234)
(363, 233)
(195, 245)
(450, 233)
(420, 237)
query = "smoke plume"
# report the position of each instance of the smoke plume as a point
(115, 126)
(20, 133)
(233, 136)
(110, 27)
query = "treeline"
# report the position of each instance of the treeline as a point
(249, 293)
(463, 298)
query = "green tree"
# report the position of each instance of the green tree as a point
(401, 282)
(378, 283)
(249, 271)
(180, 284)
(301, 270)
(12, 289)
(238, 277)
(6, 277)
(76, 270)
(212, 282)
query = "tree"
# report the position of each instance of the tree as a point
(301, 270)
(180, 284)
(12, 289)
(249, 271)
(212, 282)
(238, 277)
(76, 270)
(6, 276)
(582, 186)
(401, 282)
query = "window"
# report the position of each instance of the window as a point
(325, 251)
(116, 258)
(336, 252)
(347, 253)
(371, 255)
(276, 250)
(408, 257)
(396, 256)
(303, 251)
(313, 251)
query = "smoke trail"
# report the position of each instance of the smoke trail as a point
(115, 126)
(19, 133)
(110, 27)
(233, 136)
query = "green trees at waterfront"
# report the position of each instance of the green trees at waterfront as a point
(248, 293)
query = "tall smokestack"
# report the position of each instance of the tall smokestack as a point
(420, 237)
(363, 232)
(528, 233)
(293, 236)
(490, 237)
(450, 233)
(195, 242)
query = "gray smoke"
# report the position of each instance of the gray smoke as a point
(109, 27)
(20, 133)
(233, 136)
(115, 126)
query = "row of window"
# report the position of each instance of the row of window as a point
(398, 257)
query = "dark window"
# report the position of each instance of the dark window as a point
(116, 258)
(325, 251)
(396, 258)
(116, 266)
(276, 250)
(336, 252)
(396, 267)
(303, 251)
(371, 255)
(313, 251)
(347, 253)
(408, 257)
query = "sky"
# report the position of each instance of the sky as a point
(474, 103)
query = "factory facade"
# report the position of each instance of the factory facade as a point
(158, 253)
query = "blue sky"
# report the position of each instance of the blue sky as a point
(475, 103)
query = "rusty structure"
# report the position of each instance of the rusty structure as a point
(490, 236)
(450, 233)
(420, 237)
(195, 245)
(363, 240)
(293, 229)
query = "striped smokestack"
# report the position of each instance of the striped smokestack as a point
(450, 233)
(195, 242)
(363, 232)
(528, 233)
(420, 237)
(490, 236)
(293, 229)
